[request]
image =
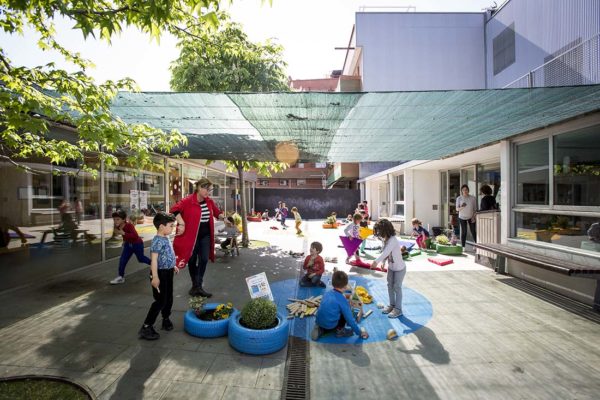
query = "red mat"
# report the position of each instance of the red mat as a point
(441, 261)
(362, 264)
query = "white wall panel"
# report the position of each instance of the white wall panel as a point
(542, 28)
(421, 51)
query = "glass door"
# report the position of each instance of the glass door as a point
(468, 176)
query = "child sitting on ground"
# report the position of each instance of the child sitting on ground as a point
(265, 215)
(231, 231)
(421, 233)
(314, 266)
(334, 312)
(162, 267)
(353, 232)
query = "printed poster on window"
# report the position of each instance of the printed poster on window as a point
(258, 285)
(143, 199)
(134, 199)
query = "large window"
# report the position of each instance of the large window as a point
(399, 195)
(561, 204)
(504, 49)
(533, 172)
(577, 168)
(564, 230)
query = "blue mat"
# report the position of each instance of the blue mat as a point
(417, 310)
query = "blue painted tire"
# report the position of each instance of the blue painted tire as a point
(206, 329)
(258, 342)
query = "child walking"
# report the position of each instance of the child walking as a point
(334, 312)
(353, 232)
(392, 251)
(283, 213)
(421, 233)
(132, 244)
(298, 220)
(162, 271)
(314, 266)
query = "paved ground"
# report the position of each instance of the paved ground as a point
(486, 339)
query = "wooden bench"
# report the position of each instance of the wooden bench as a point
(562, 267)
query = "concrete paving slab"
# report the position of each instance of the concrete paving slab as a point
(237, 371)
(271, 374)
(193, 391)
(186, 366)
(236, 393)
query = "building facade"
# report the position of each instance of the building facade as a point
(542, 181)
(298, 176)
(59, 218)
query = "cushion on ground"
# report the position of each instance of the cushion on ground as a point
(448, 250)
(407, 244)
(415, 252)
(440, 260)
(362, 264)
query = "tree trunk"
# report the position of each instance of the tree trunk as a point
(244, 212)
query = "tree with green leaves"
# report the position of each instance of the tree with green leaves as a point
(32, 100)
(226, 60)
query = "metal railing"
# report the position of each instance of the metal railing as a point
(579, 65)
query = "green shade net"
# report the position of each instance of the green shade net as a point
(352, 127)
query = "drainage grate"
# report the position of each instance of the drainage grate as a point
(296, 385)
(560, 301)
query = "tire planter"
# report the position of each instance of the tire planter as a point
(449, 250)
(254, 219)
(206, 329)
(258, 342)
(329, 226)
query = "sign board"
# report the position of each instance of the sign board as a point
(258, 285)
(143, 199)
(134, 199)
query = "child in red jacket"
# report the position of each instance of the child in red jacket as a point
(132, 244)
(314, 266)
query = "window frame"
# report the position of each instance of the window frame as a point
(283, 182)
(395, 201)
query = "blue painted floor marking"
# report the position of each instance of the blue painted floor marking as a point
(417, 310)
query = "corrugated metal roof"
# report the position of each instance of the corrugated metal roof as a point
(350, 127)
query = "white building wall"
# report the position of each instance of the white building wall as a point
(421, 51)
(426, 194)
(542, 27)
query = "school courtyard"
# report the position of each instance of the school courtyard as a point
(484, 336)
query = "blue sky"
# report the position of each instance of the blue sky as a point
(308, 29)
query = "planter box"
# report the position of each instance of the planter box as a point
(254, 219)
(258, 342)
(206, 329)
(449, 250)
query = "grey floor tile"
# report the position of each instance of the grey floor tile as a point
(187, 366)
(193, 391)
(236, 393)
(271, 374)
(234, 371)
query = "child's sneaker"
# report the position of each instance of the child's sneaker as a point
(388, 310)
(167, 325)
(117, 280)
(316, 332)
(148, 333)
(344, 332)
(395, 313)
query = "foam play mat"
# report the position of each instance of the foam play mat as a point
(417, 310)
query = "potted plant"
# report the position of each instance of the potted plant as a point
(259, 328)
(443, 246)
(207, 320)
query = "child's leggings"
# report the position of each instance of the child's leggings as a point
(421, 241)
(394, 281)
(130, 249)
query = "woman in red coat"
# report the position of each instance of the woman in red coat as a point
(194, 243)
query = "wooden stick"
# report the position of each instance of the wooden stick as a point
(368, 313)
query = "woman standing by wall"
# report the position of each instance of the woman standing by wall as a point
(194, 243)
(466, 205)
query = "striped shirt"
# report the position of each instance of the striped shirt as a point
(205, 216)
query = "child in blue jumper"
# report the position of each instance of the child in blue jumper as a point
(334, 312)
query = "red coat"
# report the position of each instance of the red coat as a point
(318, 266)
(190, 211)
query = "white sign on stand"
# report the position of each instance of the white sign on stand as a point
(134, 200)
(143, 199)
(258, 285)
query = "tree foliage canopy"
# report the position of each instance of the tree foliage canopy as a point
(226, 60)
(32, 99)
